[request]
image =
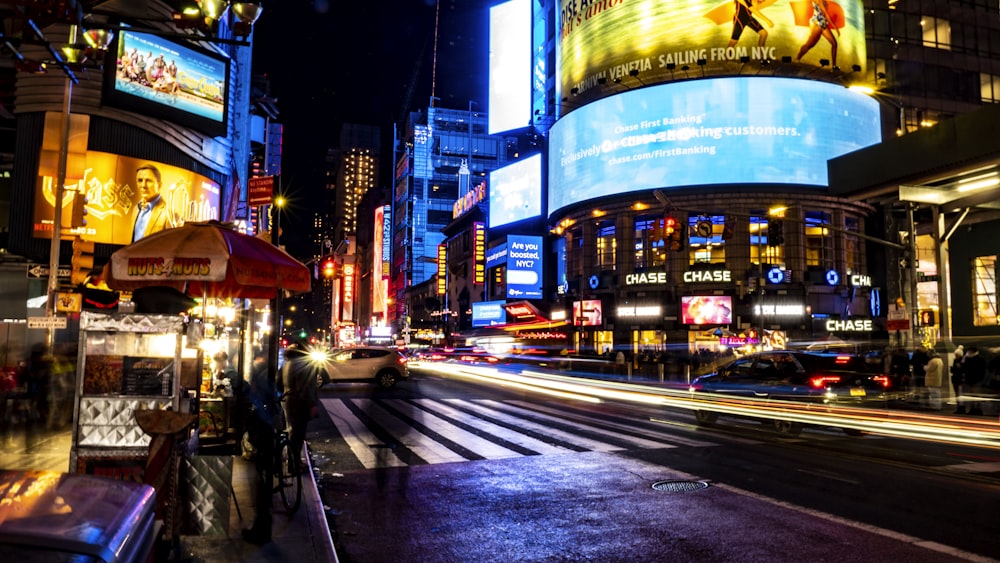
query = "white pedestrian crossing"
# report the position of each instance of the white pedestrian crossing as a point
(401, 432)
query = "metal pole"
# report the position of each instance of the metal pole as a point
(912, 272)
(60, 192)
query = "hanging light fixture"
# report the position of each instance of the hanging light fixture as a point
(247, 12)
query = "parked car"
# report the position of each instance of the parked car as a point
(814, 377)
(383, 366)
(52, 516)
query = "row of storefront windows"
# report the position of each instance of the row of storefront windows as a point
(705, 238)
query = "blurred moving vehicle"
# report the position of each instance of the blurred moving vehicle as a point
(382, 366)
(53, 516)
(791, 375)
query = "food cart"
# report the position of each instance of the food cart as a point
(138, 379)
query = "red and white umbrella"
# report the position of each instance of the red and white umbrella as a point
(207, 259)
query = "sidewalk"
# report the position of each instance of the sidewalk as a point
(305, 538)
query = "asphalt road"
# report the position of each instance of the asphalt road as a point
(442, 470)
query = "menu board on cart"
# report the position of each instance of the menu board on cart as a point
(147, 375)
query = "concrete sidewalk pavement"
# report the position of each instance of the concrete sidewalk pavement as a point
(303, 538)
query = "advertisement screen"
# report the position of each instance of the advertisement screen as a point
(587, 313)
(168, 80)
(524, 267)
(616, 45)
(510, 66)
(115, 186)
(516, 191)
(742, 130)
(488, 313)
(707, 310)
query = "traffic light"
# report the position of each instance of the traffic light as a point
(78, 218)
(675, 234)
(775, 232)
(83, 261)
(329, 267)
(729, 228)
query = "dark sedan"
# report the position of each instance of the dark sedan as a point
(814, 377)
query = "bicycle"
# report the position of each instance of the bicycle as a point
(287, 468)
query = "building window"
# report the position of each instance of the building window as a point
(705, 241)
(936, 32)
(760, 251)
(650, 244)
(574, 253)
(984, 291)
(818, 239)
(607, 245)
(989, 87)
(852, 244)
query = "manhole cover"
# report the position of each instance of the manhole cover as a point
(679, 486)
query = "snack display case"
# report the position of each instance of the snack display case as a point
(127, 363)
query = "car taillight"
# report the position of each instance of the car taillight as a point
(401, 359)
(492, 359)
(821, 381)
(883, 380)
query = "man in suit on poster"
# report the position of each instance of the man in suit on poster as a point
(152, 214)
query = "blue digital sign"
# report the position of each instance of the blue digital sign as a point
(516, 191)
(489, 313)
(737, 130)
(524, 267)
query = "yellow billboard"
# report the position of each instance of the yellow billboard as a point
(127, 198)
(610, 46)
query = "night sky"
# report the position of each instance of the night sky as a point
(370, 62)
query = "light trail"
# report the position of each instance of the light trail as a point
(936, 427)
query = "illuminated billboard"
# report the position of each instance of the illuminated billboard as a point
(516, 191)
(170, 80)
(588, 313)
(524, 267)
(510, 66)
(706, 309)
(613, 45)
(740, 130)
(488, 313)
(115, 185)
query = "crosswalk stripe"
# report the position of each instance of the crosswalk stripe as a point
(422, 445)
(577, 440)
(522, 440)
(359, 438)
(361, 441)
(468, 440)
(622, 427)
(588, 428)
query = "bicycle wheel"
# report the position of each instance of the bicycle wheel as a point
(289, 475)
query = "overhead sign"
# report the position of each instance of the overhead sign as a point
(38, 271)
(695, 276)
(260, 191)
(47, 322)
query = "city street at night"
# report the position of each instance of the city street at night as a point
(441, 469)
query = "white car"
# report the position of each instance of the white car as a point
(383, 366)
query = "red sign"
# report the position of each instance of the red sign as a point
(479, 229)
(442, 276)
(260, 191)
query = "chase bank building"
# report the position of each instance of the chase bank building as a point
(686, 183)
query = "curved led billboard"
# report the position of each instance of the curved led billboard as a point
(601, 43)
(739, 130)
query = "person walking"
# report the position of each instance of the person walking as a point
(934, 378)
(974, 366)
(299, 386)
(262, 408)
(958, 377)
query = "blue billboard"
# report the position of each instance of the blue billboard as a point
(524, 267)
(516, 191)
(489, 313)
(739, 130)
